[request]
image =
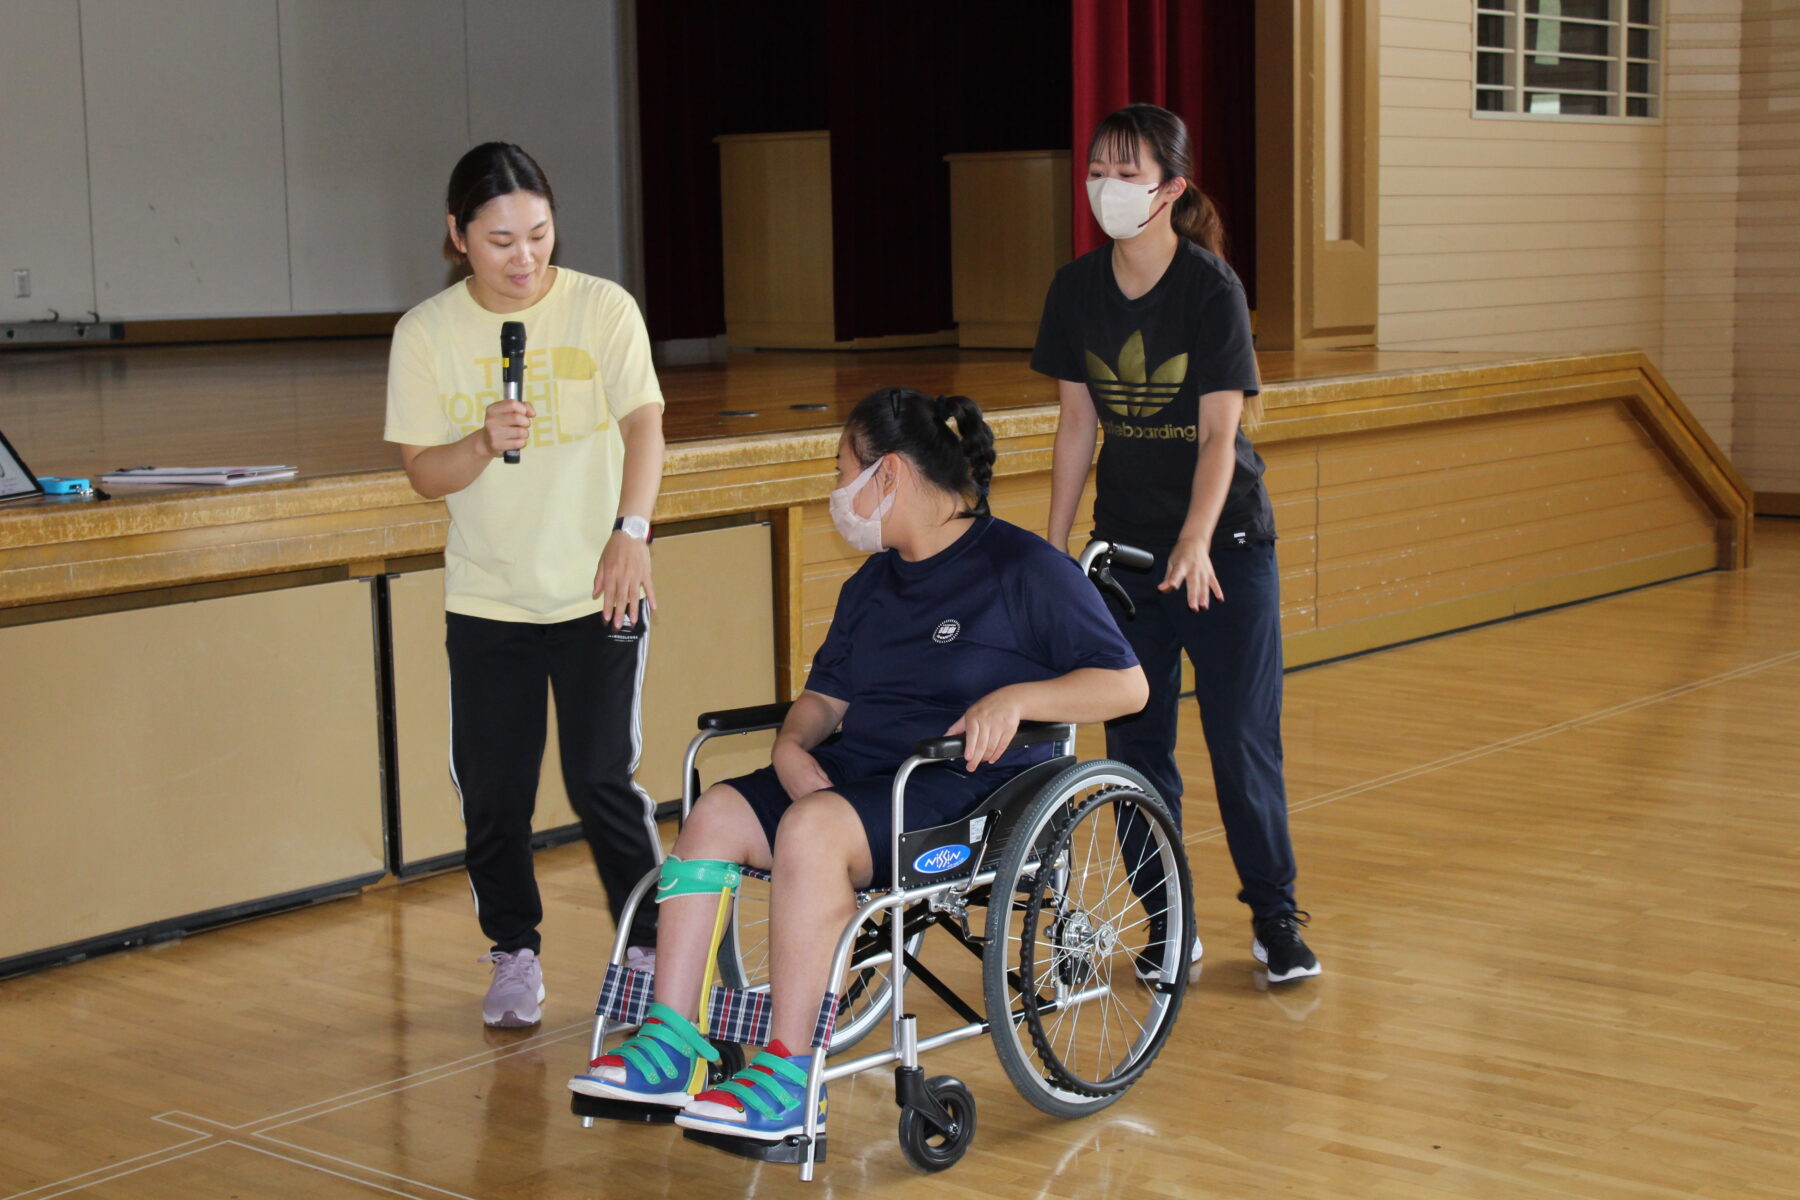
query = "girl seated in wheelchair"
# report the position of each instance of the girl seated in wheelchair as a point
(958, 623)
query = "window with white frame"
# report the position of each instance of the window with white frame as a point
(1568, 58)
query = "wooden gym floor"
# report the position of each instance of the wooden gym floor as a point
(1552, 867)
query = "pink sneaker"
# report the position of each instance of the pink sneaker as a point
(516, 996)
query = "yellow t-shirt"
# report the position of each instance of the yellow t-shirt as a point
(525, 539)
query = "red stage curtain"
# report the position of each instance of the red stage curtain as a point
(1194, 58)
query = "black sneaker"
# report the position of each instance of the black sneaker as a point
(1278, 946)
(1149, 968)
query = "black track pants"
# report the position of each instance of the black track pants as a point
(498, 674)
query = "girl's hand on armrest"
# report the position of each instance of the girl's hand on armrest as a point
(988, 727)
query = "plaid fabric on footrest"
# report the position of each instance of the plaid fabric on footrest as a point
(743, 1017)
(624, 995)
(736, 1015)
(827, 1022)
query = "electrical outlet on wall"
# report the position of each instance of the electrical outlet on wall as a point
(21, 283)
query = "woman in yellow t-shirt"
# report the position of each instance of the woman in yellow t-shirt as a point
(547, 561)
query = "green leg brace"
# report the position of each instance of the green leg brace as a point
(714, 877)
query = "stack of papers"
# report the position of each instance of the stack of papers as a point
(198, 476)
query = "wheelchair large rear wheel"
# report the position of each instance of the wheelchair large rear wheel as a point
(1093, 886)
(868, 982)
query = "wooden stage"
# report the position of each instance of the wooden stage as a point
(320, 403)
(1415, 492)
(1551, 872)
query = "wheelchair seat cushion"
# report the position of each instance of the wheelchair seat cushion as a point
(936, 794)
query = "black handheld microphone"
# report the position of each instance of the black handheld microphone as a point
(512, 366)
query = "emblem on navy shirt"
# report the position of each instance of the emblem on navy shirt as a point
(1130, 391)
(946, 631)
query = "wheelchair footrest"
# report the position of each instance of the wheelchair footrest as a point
(787, 1150)
(604, 1109)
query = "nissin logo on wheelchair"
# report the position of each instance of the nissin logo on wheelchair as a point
(941, 859)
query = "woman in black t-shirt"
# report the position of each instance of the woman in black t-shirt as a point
(1149, 338)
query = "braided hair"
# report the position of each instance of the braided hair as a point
(944, 437)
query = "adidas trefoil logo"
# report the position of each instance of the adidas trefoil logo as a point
(1129, 392)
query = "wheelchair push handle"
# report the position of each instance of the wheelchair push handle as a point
(1031, 733)
(1099, 557)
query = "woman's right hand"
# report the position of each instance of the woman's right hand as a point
(799, 772)
(508, 427)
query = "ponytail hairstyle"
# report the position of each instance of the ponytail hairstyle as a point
(1195, 217)
(489, 170)
(1117, 140)
(944, 437)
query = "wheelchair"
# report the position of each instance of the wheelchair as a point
(1069, 883)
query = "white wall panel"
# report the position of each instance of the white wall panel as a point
(545, 74)
(43, 161)
(184, 147)
(375, 111)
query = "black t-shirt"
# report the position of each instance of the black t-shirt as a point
(1146, 363)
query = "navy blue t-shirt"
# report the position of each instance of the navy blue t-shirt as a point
(913, 644)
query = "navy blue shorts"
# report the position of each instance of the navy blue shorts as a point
(936, 794)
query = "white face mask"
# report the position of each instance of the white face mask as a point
(863, 533)
(1123, 208)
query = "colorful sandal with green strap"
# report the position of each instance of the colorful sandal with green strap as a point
(665, 1063)
(763, 1101)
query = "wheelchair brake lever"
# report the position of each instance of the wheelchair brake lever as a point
(1103, 579)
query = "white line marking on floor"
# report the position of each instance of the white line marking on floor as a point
(368, 1183)
(536, 1039)
(111, 1173)
(361, 1166)
(312, 1111)
(1519, 739)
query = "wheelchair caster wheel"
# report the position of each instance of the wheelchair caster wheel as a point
(929, 1146)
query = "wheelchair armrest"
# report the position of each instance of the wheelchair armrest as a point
(1031, 733)
(744, 720)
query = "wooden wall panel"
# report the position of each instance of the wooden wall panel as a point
(1457, 191)
(1009, 232)
(1767, 435)
(1701, 81)
(777, 192)
(1417, 518)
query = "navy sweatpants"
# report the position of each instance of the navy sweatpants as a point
(1235, 647)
